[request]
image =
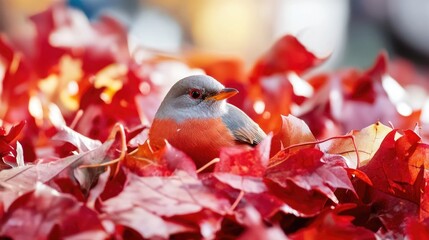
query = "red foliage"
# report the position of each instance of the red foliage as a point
(7, 150)
(238, 160)
(47, 214)
(286, 55)
(293, 131)
(164, 162)
(331, 225)
(312, 174)
(417, 230)
(167, 207)
(79, 168)
(398, 166)
(270, 81)
(349, 99)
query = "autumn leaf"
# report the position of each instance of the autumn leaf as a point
(7, 150)
(163, 162)
(367, 141)
(237, 160)
(47, 214)
(163, 198)
(145, 223)
(424, 196)
(71, 80)
(275, 77)
(348, 99)
(383, 212)
(312, 175)
(234, 168)
(25, 178)
(397, 166)
(331, 225)
(417, 230)
(294, 131)
(180, 189)
(255, 229)
(98, 189)
(13, 133)
(6, 199)
(407, 186)
(82, 143)
(287, 54)
(267, 204)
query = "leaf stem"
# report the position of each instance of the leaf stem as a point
(215, 160)
(76, 119)
(236, 202)
(322, 141)
(117, 128)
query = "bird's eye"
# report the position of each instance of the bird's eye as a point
(195, 93)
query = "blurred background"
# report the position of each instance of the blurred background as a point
(352, 31)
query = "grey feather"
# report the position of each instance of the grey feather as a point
(242, 126)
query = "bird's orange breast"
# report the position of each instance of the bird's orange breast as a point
(201, 139)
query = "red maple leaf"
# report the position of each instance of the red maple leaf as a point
(237, 160)
(293, 131)
(306, 179)
(242, 170)
(348, 99)
(397, 166)
(273, 79)
(287, 54)
(47, 214)
(153, 205)
(162, 162)
(398, 171)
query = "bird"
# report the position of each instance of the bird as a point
(195, 118)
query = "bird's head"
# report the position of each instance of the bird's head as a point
(198, 96)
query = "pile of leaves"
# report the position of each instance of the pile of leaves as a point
(76, 106)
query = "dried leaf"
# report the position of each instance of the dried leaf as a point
(23, 179)
(96, 191)
(82, 143)
(367, 141)
(294, 131)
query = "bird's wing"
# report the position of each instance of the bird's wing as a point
(242, 127)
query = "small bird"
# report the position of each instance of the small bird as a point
(195, 118)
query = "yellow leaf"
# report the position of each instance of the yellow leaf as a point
(367, 140)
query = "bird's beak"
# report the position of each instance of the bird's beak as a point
(223, 94)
